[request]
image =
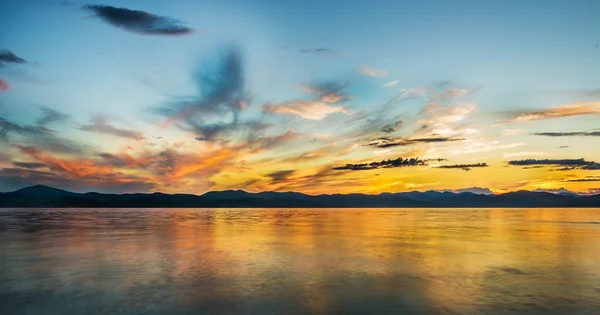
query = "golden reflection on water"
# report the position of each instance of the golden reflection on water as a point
(319, 261)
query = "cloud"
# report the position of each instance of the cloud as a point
(29, 165)
(378, 73)
(392, 142)
(575, 109)
(391, 83)
(4, 86)
(316, 51)
(7, 127)
(99, 124)
(586, 179)
(215, 110)
(566, 164)
(324, 96)
(306, 109)
(464, 167)
(280, 176)
(569, 134)
(399, 162)
(7, 56)
(139, 21)
(50, 115)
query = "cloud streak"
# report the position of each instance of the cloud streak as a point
(140, 22)
(399, 162)
(368, 71)
(393, 142)
(565, 164)
(322, 104)
(569, 134)
(575, 109)
(464, 167)
(99, 124)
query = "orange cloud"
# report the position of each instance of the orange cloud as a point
(575, 109)
(313, 110)
(75, 169)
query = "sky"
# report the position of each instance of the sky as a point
(318, 97)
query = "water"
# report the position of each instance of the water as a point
(300, 261)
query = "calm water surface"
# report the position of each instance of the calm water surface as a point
(300, 261)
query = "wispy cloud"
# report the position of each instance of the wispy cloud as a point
(565, 164)
(399, 162)
(322, 103)
(464, 167)
(100, 124)
(313, 110)
(214, 112)
(315, 51)
(586, 179)
(368, 71)
(50, 115)
(569, 134)
(280, 176)
(391, 83)
(392, 142)
(29, 165)
(575, 109)
(139, 21)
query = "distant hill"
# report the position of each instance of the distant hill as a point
(43, 196)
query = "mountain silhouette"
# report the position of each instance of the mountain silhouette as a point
(45, 196)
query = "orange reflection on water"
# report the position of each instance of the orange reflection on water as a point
(321, 261)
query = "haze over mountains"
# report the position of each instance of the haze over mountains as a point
(44, 196)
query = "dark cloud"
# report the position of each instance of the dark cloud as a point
(564, 164)
(38, 136)
(280, 176)
(214, 113)
(399, 162)
(7, 127)
(587, 179)
(139, 21)
(389, 128)
(568, 134)
(7, 56)
(464, 167)
(50, 115)
(99, 124)
(563, 146)
(29, 165)
(392, 142)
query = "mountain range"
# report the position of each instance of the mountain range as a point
(39, 196)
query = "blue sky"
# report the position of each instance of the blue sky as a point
(509, 57)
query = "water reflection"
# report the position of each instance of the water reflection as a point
(300, 261)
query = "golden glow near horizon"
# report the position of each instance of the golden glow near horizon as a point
(199, 112)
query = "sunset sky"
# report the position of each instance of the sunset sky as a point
(192, 96)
